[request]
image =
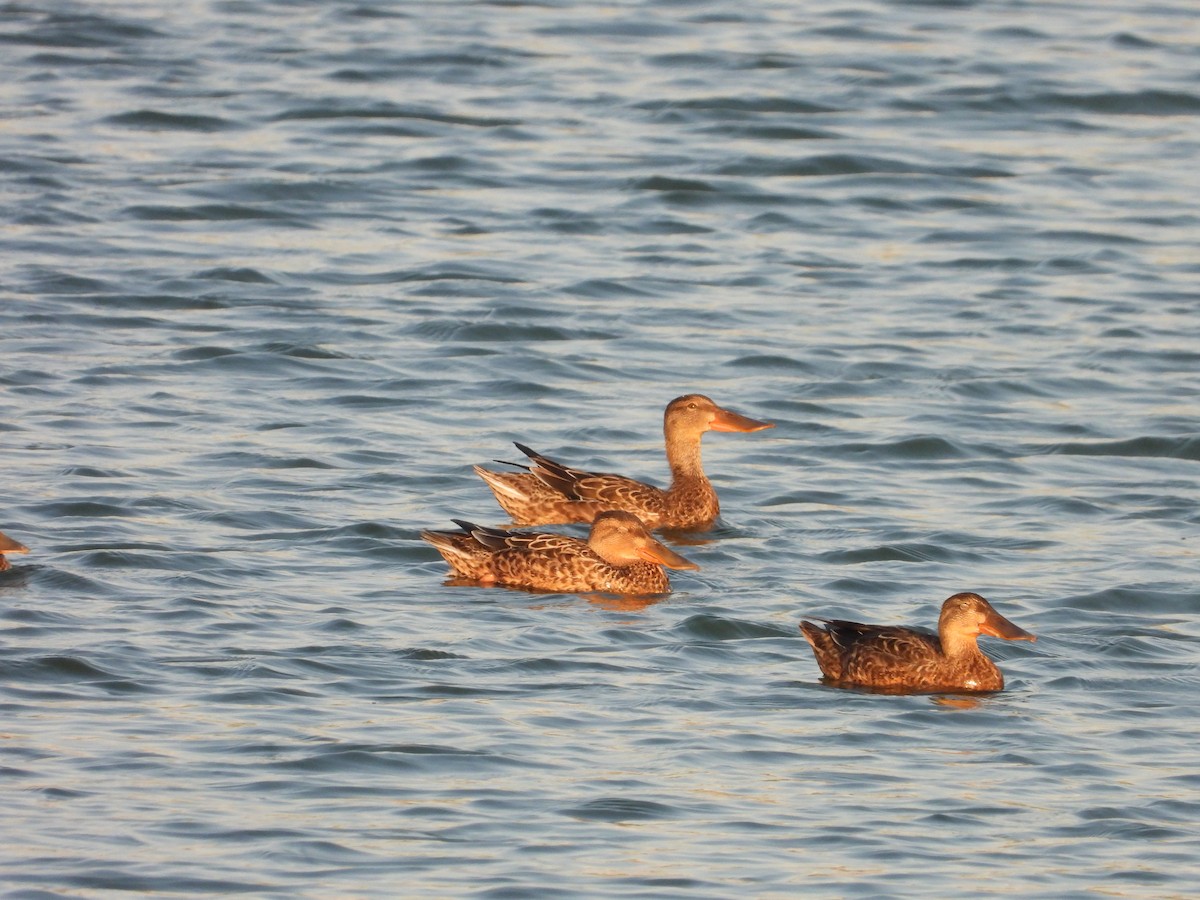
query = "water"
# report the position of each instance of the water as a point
(276, 275)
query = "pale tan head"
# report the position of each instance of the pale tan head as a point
(620, 538)
(697, 414)
(967, 615)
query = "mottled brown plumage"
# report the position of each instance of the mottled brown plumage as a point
(8, 545)
(620, 557)
(550, 492)
(901, 659)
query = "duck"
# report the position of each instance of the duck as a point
(619, 557)
(549, 492)
(911, 660)
(8, 545)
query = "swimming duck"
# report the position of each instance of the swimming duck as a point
(8, 545)
(908, 659)
(550, 492)
(619, 557)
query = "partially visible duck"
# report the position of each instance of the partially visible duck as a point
(620, 557)
(8, 545)
(550, 492)
(913, 660)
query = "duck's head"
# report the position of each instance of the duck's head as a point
(621, 539)
(968, 614)
(697, 413)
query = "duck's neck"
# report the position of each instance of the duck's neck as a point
(959, 646)
(683, 456)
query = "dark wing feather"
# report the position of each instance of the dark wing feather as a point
(496, 539)
(848, 635)
(552, 473)
(600, 487)
(491, 538)
(515, 465)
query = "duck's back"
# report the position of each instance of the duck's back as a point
(881, 656)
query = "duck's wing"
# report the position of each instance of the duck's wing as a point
(611, 490)
(545, 543)
(883, 656)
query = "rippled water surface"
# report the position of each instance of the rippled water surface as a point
(275, 275)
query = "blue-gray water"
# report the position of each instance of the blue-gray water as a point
(275, 275)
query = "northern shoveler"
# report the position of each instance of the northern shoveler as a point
(620, 557)
(550, 492)
(912, 660)
(8, 545)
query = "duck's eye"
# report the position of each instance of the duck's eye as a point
(691, 406)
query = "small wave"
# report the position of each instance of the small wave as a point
(853, 164)
(708, 627)
(903, 552)
(741, 105)
(1135, 600)
(672, 184)
(93, 472)
(392, 111)
(155, 120)
(52, 281)
(302, 351)
(1182, 447)
(920, 448)
(342, 758)
(242, 275)
(775, 132)
(774, 363)
(209, 212)
(608, 288)
(621, 809)
(87, 509)
(90, 875)
(1128, 103)
(68, 669)
(421, 653)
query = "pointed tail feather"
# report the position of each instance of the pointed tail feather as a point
(502, 484)
(552, 473)
(825, 649)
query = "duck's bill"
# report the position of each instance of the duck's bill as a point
(998, 626)
(728, 420)
(665, 556)
(8, 545)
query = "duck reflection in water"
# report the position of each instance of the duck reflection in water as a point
(896, 659)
